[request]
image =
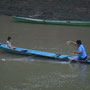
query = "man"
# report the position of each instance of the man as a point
(81, 51)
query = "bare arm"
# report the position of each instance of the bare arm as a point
(72, 42)
(9, 45)
(78, 52)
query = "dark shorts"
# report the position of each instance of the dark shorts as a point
(82, 58)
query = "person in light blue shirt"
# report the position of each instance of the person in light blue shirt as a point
(81, 51)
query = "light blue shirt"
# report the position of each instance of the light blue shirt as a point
(83, 52)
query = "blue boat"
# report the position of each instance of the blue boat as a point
(30, 52)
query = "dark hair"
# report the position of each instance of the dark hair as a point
(78, 42)
(9, 38)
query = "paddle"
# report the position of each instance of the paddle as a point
(20, 50)
(57, 55)
(24, 50)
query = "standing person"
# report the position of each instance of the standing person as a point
(8, 43)
(81, 51)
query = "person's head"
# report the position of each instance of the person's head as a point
(9, 38)
(78, 42)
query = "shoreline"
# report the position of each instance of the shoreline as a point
(49, 9)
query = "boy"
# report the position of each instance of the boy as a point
(8, 43)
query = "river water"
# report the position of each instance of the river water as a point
(38, 73)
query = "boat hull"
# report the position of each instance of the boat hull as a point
(53, 22)
(30, 52)
(28, 20)
(81, 61)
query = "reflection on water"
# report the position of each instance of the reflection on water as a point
(19, 75)
(81, 69)
(37, 73)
